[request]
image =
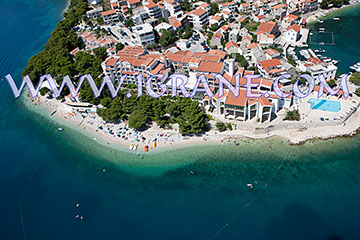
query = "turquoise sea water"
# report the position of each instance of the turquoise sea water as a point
(314, 195)
(345, 34)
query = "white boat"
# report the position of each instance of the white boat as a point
(355, 68)
(320, 21)
(327, 60)
(311, 34)
(321, 43)
(131, 147)
(60, 129)
(336, 18)
(335, 62)
(321, 29)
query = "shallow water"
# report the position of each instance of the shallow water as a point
(315, 193)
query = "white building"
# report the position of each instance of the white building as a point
(110, 16)
(94, 2)
(152, 9)
(145, 34)
(94, 13)
(198, 17)
(292, 34)
(316, 67)
(172, 6)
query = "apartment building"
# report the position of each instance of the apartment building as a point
(316, 67)
(198, 17)
(94, 13)
(144, 34)
(110, 16)
(152, 9)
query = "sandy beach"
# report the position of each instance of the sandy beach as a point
(122, 137)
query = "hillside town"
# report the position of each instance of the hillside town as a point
(230, 38)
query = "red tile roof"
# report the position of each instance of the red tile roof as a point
(294, 27)
(266, 27)
(230, 44)
(212, 67)
(105, 13)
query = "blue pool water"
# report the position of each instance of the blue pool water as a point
(325, 105)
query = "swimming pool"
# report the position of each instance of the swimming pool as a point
(325, 105)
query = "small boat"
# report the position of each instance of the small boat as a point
(321, 43)
(336, 19)
(135, 147)
(146, 148)
(320, 21)
(77, 205)
(60, 129)
(353, 68)
(131, 147)
(321, 29)
(311, 34)
(154, 144)
(250, 185)
(335, 62)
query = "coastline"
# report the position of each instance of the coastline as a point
(324, 14)
(173, 140)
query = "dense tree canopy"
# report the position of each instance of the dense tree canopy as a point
(167, 38)
(221, 127)
(184, 111)
(55, 58)
(325, 4)
(137, 119)
(355, 78)
(241, 60)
